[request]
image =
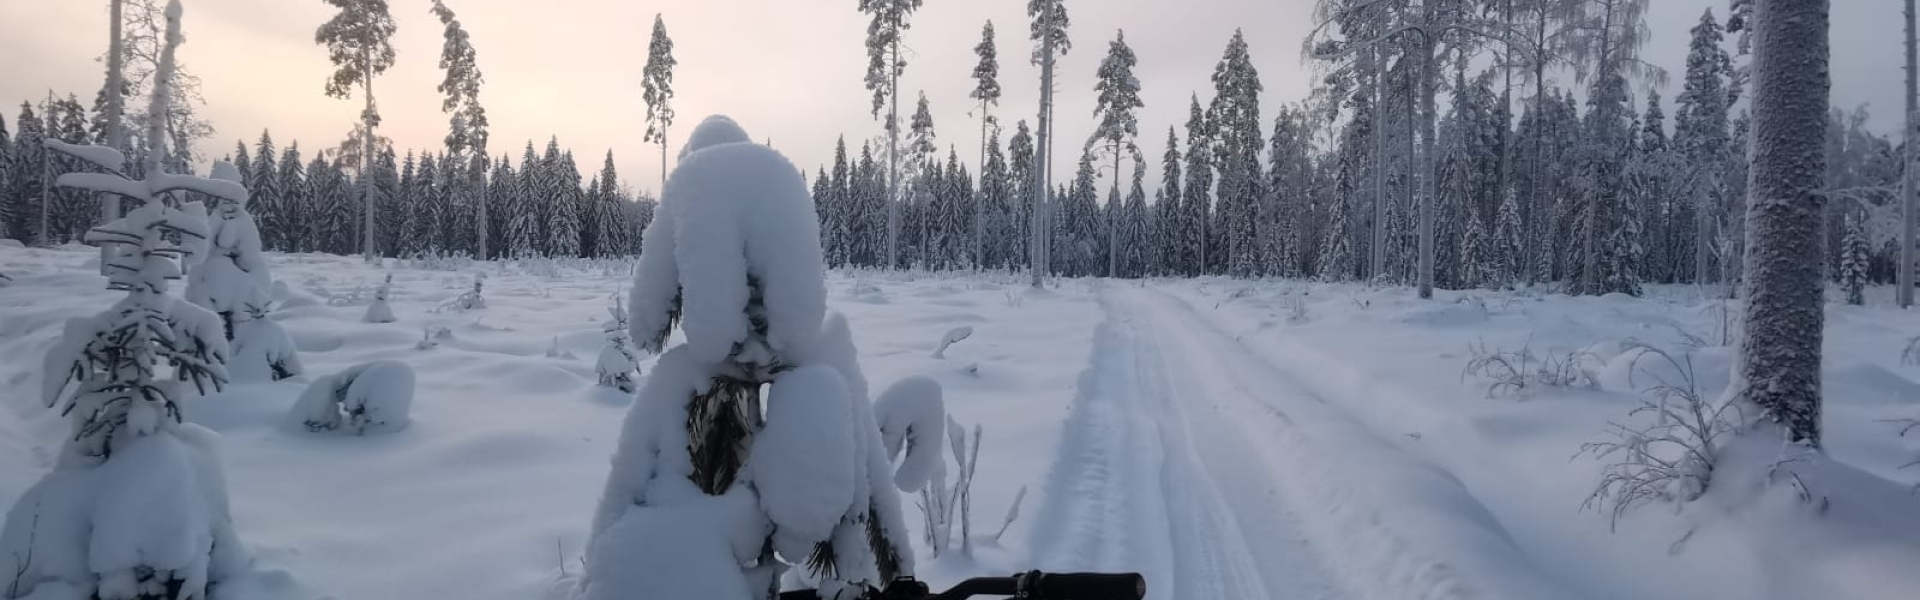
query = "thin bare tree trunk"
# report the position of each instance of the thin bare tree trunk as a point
(1428, 185)
(1379, 163)
(893, 154)
(116, 109)
(366, 159)
(1039, 256)
(1905, 268)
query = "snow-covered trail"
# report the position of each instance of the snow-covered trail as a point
(1160, 472)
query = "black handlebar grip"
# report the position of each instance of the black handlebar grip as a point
(1091, 586)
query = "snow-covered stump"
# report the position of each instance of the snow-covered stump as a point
(733, 258)
(374, 397)
(135, 507)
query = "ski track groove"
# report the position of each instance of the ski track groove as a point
(1155, 474)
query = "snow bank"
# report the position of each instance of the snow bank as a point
(373, 397)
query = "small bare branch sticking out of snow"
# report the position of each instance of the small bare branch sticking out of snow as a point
(1911, 356)
(953, 336)
(1013, 512)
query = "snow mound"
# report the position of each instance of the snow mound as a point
(912, 418)
(374, 397)
(803, 461)
(627, 561)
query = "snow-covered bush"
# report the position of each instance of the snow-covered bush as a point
(136, 505)
(373, 397)
(733, 257)
(1671, 459)
(378, 311)
(617, 362)
(262, 350)
(468, 300)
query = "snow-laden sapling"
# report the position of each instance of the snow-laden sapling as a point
(468, 300)
(911, 414)
(262, 350)
(136, 505)
(716, 490)
(374, 397)
(618, 364)
(953, 336)
(378, 311)
(234, 273)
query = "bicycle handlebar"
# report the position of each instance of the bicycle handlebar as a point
(1032, 585)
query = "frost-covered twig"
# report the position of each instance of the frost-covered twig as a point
(1911, 356)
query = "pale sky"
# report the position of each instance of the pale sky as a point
(790, 71)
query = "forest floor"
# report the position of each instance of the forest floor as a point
(1232, 440)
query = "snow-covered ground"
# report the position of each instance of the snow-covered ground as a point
(1232, 440)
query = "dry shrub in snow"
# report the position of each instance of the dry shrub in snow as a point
(467, 300)
(1519, 373)
(1671, 459)
(374, 397)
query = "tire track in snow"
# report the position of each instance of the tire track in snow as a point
(1141, 484)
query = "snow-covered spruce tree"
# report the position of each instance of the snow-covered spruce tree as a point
(378, 311)
(358, 43)
(1115, 106)
(136, 505)
(1854, 258)
(233, 282)
(617, 363)
(1196, 223)
(1167, 206)
(707, 498)
(1235, 114)
(986, 90)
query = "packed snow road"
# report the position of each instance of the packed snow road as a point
(1158, 472)
(1190, 459)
